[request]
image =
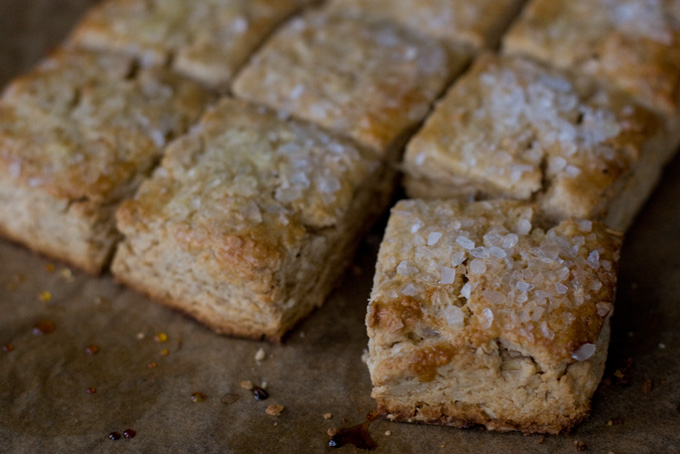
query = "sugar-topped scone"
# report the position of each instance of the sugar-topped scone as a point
(207, 40)
(512, 128)
(78, 134)
(479, 316)
(368, 80)
(631, 44)
(477, 24)
(249, 220)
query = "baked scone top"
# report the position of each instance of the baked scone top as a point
(368, 80)
(246, 186)
(633, 44)
(522, 130)
(453, 276)
(207, 40)
(477, 24)
(82, 124)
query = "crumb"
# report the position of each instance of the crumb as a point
(615, 421)
(662, 346)
(333, 431)
(388, 433)
(260, 355)
(541, 439)
(647, 386)
(141, 336)
(247, 384)
(274, 410)
(50, 268)
(67, 275)
(45, 296)
(580, 445)
(302, 334)
(160, 338)
(264, 385)
(327, 415)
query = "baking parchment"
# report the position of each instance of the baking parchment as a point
(143, 384)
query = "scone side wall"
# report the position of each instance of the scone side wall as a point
(444, 352)
(250, 262)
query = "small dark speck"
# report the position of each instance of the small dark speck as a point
(114, 436)
(129, 433)
(580, 445)
(259, 393)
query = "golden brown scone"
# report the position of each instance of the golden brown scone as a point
(77, 135)
(631, 44)
(249, 220)
(477, 24)
(371, 81)
(512, 128)
(478, 316)
(207, 40)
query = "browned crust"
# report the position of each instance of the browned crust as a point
(466, 416)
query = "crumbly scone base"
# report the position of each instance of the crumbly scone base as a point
(527, 410)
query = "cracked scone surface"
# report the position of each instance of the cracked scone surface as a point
(476, 24)
(371, 81)
(78, 134)
(206, 40)
(632, 44)
(512, 128)
(477, 316)
(249, 220)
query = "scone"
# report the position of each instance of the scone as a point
(368, 80)
(207, 40)
(477, 24)
(631, 44)
(479, 316)
(77, 135)
(513, 128)
(249, 220)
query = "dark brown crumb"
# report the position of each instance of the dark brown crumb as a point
(623, 374)
(647, 386)
(580, 445)
(541, 439)
(114, 436)
(616, 421)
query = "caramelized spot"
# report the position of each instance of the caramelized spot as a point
(114, 436)
(91, 390)
(44, 327)
(198, 397)
(259, 393)
(358, 435)
(151, 365)
(161, 337)
(396, 314)
(425, 362)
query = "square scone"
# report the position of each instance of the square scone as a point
(77, 135)
(206, 40)
(479, 316)
(513, 128)
(368, 80)
(478, 24)
(631, 44)
(249, 220)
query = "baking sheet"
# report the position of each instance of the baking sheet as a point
(146, 385)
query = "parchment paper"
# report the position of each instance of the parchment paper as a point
(45, 405)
